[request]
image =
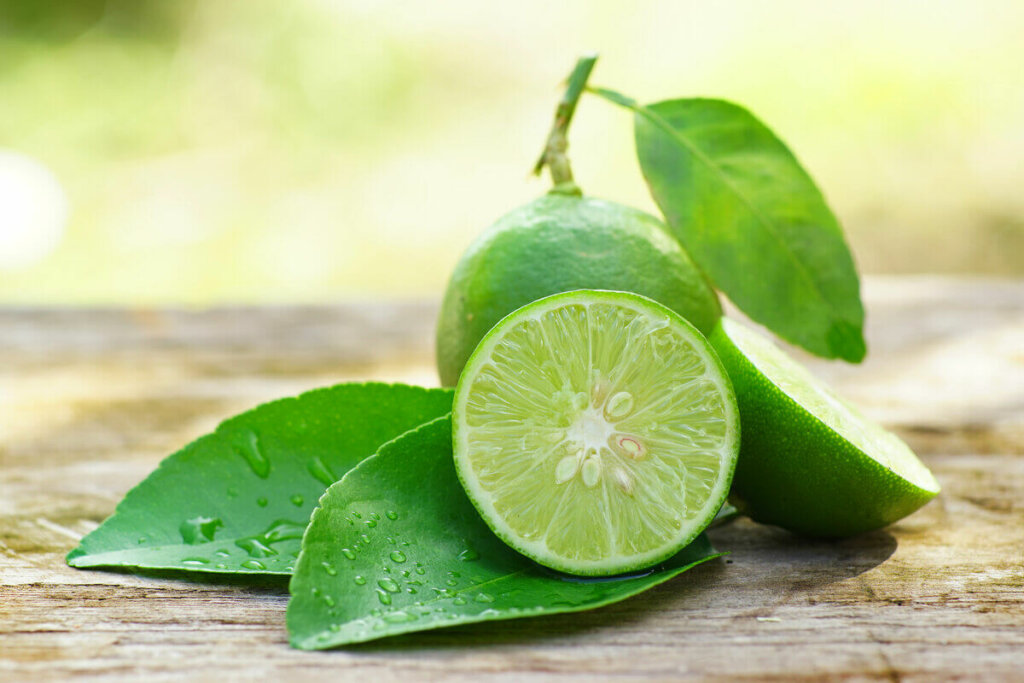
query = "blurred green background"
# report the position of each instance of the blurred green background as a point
(159, 151)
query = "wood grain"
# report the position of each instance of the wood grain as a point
(90, 401)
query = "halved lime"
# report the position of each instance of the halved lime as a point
(596, 432)
(810, 462)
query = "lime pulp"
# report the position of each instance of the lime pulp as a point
(596, 432)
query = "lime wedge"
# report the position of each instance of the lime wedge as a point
(596, 432)
(810, 462)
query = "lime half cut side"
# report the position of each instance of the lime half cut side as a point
(810, 462)
(596, 432)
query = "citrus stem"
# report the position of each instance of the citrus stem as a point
(555, 154)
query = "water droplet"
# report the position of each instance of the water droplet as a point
(297, 500)
(262, 502)
(221, 565)
(455, 574)
(254, 564)
(375, 516)
(391, 540)
(399, 617)
(468, 555)
(452, 582)
(195, 561)
(334, 628)
(282, 530)
(329, 601)
(370, 523)
(329, 568)
(142, 540)
(348, 553)
(384, 597)
(484, 597)
(421, 570)
(406, 573)
(357, 515)
(253, 456)
(388, 584)
(391, 514)
(360, 581)
(222, 553)
(255, 547)
(411, 590)
(397, 556)
(321, 472)
(459, 601)
(199, 529)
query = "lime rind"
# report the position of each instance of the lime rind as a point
(808, 462)
(595, 460)
(815, 397)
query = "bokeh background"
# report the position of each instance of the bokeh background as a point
(196, 153)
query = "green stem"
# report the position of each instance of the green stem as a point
(555, 154)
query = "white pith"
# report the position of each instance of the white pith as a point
(602, 443)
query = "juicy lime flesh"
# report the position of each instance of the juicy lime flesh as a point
(597, 434)
(818, 399)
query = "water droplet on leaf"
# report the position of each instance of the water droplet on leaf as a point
(321, 472)
(199, 529)
(253, 455)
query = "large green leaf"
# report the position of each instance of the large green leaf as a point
(396, 546)
(753, 219)
(238, 500)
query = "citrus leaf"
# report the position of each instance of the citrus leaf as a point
(753, 219)
(396, 546)
(238, 500)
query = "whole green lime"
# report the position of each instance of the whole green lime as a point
(560, 243)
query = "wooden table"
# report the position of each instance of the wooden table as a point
(90, 401)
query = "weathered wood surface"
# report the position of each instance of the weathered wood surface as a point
(90, 401)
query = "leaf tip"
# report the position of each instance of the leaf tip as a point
(846, 340)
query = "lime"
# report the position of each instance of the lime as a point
(809, 462)
(560, 243)
(596, 432)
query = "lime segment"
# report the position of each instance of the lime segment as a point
(596, 432)
(810, 462)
